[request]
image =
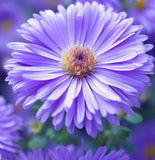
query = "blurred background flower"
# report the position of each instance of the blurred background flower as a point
(36, 154)
(101, 155)
(144, 141)
(9, 126)
(71, 152)
(11, 17)
(143, 12)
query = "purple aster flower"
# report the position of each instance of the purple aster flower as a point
(143, 12)
(100, 155)
(80, 65)
(36, 154)
(144, 141)
(10, 19)
(70, 153)
(9, 124)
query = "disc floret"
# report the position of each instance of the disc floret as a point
(140, 4)
(78, 61)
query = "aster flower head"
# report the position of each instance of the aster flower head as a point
(82, 61)
(9, 125)
(70, 153)
(144, 140)
(100, 155)
(143, 12)
(36, 154)
(10, 19)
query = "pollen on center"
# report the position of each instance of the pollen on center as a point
(140, 4)
(78, 61)
(150, 151)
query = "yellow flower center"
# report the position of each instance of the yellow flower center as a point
(6, 25)
(150, 151)
(35, 126)
(140, 4)
(78, 61)
(121, 114)
(51, 2)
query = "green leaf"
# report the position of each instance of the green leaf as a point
(111, 143)
(121, 132)
(134, 119)
(36, 106)
(127, 144)
(37, 142)
(22, 144)
(36, 126)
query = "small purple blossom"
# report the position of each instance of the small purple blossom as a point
(144, 141)
(70, 153)
(143, 12)
(9, 125)
(80, 66)
(10, 19)
(36, 154)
